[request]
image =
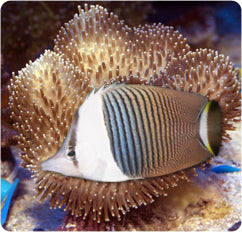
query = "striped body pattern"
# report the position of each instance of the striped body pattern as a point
(126, 132)
(148, 128)
(127, 143)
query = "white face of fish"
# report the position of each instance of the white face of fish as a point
(86, 151)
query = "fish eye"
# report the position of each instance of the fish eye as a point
(71, 154)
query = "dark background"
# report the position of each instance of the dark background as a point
(28, 28)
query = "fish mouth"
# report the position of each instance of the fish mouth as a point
(52, 164)
(47, 165)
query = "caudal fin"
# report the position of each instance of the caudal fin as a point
(210, 127)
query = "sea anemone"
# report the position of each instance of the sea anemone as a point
(93, 49)
(105, 49)
(211, 74)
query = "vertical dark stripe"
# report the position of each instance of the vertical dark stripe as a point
(121, 131)
(115, 147)
(131, 157)
(147, 129)
(167, 127)
(141, 130)
(156, 117)
(72, 140)
(152, 125)
(171, 129)
(160, 119)
(163, 128)
(132, 119)
(176, 128)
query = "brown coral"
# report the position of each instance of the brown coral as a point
(105, 49)
(96, 48)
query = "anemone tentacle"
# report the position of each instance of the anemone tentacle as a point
(210, 74)
(95, 47)
(105, 49)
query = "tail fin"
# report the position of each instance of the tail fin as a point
(210, 127)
